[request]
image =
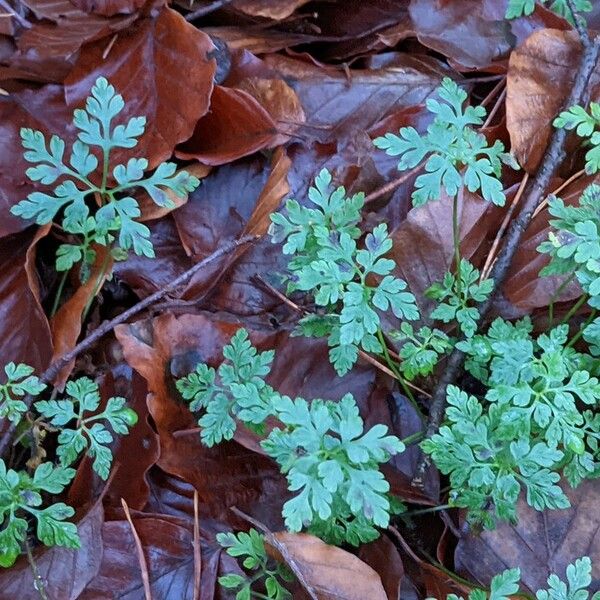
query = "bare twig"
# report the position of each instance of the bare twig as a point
(197, 551)
(489, 261)
(56, 367)
(140, 552)
(580, 25)
(22, 21)
(38, 581)
(205, 10)
(535, 194)
(392, 185)
(495, 109)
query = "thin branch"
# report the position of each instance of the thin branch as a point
(554, 155)
(205, 10)
(197, 549)
(140, 552)
(58, 365)
(489, 261)
(392, 185)
(22, 21)
(580, 25)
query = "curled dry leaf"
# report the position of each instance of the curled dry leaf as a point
(66, 323)
(49, 48)
(236, 125)
(108, 8)
(540, 76)
(541, 543)
(326, 572)
(163, 70)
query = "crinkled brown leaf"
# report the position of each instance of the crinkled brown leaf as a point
(108, 8)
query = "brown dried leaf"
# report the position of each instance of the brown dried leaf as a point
(236, 125)
(64, 571)
(326, 572)
(541, 543)
(167, 543)
(423, 247)
(337, 105)
(24, 328)
(108, 8)
(267, 8)
(540, 75)
(163, 70)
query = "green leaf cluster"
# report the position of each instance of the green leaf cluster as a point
(321, 446)
(421, 349)
(115, 221)
(457, 155)
(333, 465)
(456, 294)
(236, 390)
(21, 498)
(20, 381)
(265, 572)
(574, 246)
(520, 8)
(351, 284)
(506, 584)
(489, 464)
(584, 123)
(84, 432)
(530, 429)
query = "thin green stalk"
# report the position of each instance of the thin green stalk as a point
(426, 511)
(393, 367)
(59, 292)
(576, 337)
(556, 295)
(575, 308)
(456, 241)
(413, 438)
